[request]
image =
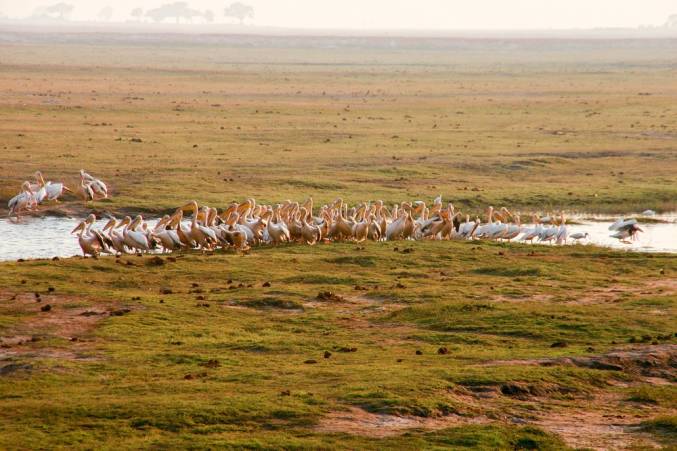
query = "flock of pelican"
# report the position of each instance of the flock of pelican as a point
(34, 194)
(247, 224)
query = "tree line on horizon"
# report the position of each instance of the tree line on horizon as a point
(175, 11)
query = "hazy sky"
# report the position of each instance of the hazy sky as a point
(404, 14)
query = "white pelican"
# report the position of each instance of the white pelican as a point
(50, 190)
(91, 241)
(23, 201)
(203, 235)
(85, 191)
(562, 232)
(116, 237)
(97, 185)
(134, 239)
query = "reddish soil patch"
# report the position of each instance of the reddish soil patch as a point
(602, 423)
(614, 293)
(68, 317)
(357, 421)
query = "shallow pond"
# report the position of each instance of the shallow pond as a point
(50, 236)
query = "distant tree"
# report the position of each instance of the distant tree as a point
(176, 10)
(239, 11)
(208, 16)
(106, 13)
(672, 21)
(137, 13)
(61, 10)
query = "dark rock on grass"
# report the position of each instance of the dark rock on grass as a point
(211, 363)
(13, 367)
(360, 288)
(607, 366)
(155, 261)
(120, 312)
(266, 284)
(171, 259)
(20, 260)
(89, 313)
(202, 304)
(194, 285)
(419, 352)
(46, 308)
(51, 289)
(136, 298)
(285, 393)
(399, 285)
(200, 298)
(400, 360)
(327, 354)
(346, 349)
(329, 296)
(443, 350)
(189, 377)
(408, 250)
(515, 389)
(310, 361)
(23, 281)
(559, 344)
(165, 291)
(36, 294)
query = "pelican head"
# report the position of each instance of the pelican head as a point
(125, 221)
(110, 224)
(80, 226)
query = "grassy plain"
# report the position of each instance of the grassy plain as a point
(533, 125)
(520, 347)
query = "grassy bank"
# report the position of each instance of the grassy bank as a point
(226, 349)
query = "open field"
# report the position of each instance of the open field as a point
(585, 126)
(409, 345)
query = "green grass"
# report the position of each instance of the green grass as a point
(147, 381)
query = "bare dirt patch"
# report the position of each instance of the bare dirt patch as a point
(601, 423)
(615, 293)
(41, 318)
(357, 421)
(651, 361)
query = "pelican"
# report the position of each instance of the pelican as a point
(203, 235)
(50, 190)
(627, 231)
(91, 241)
(23, 201)
(97, 186)
(85, 191)
(116, 237)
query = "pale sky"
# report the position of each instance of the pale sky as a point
(402, 14)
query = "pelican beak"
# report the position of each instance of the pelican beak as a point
(78, 227)
(190, 206)
(124, 222)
